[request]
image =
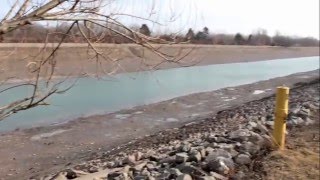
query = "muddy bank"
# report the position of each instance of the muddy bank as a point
(76, 59)
(43, 150)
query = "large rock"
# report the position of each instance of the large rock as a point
(221, 165)
(151, 166)
(195, 156)
(240, 135)
(175, 172)
(303, 113)
(185, 147)
(218, 153)
(118, 176)
(184, 177)
(243, 159)
(249, 147)
(218, 176)
(181, 157)
(169, 160)
(190, 169)
(262, 128)
(255, 138)
(60, 176)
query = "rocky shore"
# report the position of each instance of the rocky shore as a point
(227, 145)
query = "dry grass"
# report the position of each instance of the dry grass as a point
(301, 158)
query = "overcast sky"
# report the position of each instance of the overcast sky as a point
(290, 17)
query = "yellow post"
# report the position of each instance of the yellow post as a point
(281, 113)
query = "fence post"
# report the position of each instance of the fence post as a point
(281, 113)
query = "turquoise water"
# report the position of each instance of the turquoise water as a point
(91, 96)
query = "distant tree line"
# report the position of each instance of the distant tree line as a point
(36, 34)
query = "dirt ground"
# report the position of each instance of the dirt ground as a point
(76, 59)
(300, 160)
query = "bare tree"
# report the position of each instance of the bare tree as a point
(190, 35)
(238, 39)
(82, 18)
(145, 30)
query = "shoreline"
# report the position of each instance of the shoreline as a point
(74, 143)
(73, 60)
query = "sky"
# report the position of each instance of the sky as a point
(289, 17)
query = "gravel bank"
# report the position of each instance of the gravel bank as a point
(224, 146)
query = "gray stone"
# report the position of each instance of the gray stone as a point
(185, 147)
(296, 120)
(209, 150)
(202, 151)
(218, 176)
(243, 159)
(252, 124)
(60, 176)
(313, 107)
(296, 110)
(118, 176)
(169, 160)
(267, 141)
(224, 146)
(211, 138)
(190, 169)
(181, 157)
(240, 135)
(233, 153)
(269, 117)
(145, 172)
(262, 128)
(206, 178)
(184, 177)
(195, 156)
(93, 169)
(220, 164)
(309, 121)
(111, 164)
(239, 176)
(255, 137)
(157, 157)
(217, 153)
(303, 113)
(70, 174)
(249, 147)
(141, 177)
(220, 139)
(156, 173)
(151, 166)
(175, 172)
(270, 124)
(148, 154)
(151, 178)
(164, 175)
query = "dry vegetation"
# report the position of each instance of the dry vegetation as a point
(301, 158)
(39, 34)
